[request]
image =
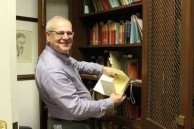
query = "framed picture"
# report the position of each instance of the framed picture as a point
(27, 47)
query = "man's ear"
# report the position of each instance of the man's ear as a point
(47, 37)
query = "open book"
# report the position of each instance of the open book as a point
(107, 85)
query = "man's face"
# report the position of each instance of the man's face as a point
(60, 38)
(20, 43)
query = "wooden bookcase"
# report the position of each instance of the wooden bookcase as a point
(82, 50)
(154, 13)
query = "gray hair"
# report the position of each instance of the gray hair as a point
(20, 35)
(48, 25)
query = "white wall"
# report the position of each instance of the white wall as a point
(28, 104)
(8, 88)
(28, 8)
(29, 114)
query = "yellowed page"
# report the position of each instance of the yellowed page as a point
(107, 85)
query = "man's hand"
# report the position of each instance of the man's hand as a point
(109, 72)
(117, 98)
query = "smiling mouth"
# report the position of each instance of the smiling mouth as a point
(65, 43)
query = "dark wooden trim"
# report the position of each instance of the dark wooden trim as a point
(41, 26)
(25, 77)
(186, 78)
(30, 19)
(111, 46)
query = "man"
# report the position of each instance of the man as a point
(69, 102)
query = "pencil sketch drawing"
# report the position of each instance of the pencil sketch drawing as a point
(24, 46)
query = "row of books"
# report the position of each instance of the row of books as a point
(99, 5)
(111, 32)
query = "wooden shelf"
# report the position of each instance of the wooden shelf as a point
(111, 46)
(137, 84)
(95, 78)
(89, 77)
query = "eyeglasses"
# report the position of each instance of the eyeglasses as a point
(61, 33)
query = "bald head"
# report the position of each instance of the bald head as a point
(56, 21)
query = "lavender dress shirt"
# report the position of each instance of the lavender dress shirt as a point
(62, 90)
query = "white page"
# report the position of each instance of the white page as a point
(107, 82)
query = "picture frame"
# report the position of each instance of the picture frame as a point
(27, 47)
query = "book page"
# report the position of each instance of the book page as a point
(108, 87)
(105, 85)
(121, 83)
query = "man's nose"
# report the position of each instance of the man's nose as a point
(65, 36)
